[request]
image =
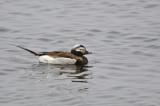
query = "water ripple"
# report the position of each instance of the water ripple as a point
(2, 29)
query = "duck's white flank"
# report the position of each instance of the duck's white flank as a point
(61, 60)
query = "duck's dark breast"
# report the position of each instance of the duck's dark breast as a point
(82, 61)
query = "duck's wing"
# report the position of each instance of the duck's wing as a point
(58, 54)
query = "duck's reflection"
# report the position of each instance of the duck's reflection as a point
(79, 73)
(74, 72)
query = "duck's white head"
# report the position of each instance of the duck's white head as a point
(79, 50)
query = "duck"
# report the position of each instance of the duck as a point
(75, 56)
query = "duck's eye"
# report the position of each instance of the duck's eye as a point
(79, 49)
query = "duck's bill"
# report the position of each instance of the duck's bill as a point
(87, 52)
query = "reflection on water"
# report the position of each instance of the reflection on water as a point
(76, 73)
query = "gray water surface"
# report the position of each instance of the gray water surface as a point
(122, 34)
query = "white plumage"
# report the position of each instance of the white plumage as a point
(52, 60)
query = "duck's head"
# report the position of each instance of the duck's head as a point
(79, 50)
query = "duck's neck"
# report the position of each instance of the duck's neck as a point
(76, 53)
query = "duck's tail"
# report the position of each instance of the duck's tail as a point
(32, 52)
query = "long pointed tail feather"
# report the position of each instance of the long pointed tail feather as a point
(32, 52)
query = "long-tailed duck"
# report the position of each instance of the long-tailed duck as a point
(62, 57)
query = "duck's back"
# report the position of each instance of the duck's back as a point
(62, 57)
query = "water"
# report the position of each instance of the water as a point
(122, 34)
